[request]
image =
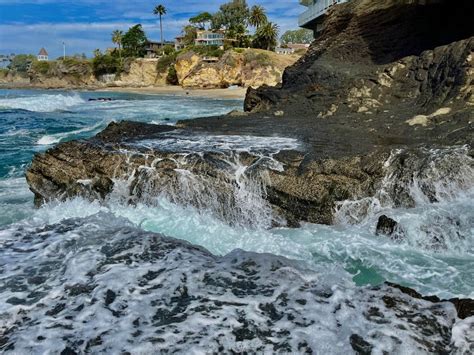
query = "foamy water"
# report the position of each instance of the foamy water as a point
(90, 276)
(43, 103)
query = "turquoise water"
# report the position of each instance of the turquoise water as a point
(32, 121)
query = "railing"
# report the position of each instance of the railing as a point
(316, 10)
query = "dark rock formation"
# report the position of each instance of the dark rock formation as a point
(464, 306)
(386, 58)
(385, 225)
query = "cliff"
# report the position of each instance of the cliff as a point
(247, 68)
(140, 72)
(391, 59)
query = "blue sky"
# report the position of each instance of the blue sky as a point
(28, 25)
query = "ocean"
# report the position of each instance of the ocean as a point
(59, 242)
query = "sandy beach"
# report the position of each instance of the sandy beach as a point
(231, 93)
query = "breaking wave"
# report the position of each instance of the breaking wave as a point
(42, 103)
(56, 138)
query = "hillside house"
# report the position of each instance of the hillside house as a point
(43, 55)
(210, 38)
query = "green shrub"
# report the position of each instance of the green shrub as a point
(239, 50)
(172, 77)
(106, 64)
(165, 62)
(168, 49)
(3, 72)
(41, 67)
(209, 51)
(22, 62)
(257, 57)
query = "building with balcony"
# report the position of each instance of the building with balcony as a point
(313, 17)
(210, 38)
(153, 48)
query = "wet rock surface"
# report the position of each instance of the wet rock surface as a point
(385, 226)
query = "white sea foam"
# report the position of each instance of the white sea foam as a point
(100, 285)
(220, 143)
(242, 178)
(15, 200)
(56, 138)
(42, 103)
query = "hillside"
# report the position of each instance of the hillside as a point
(246, 67)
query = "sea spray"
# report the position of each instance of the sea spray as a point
(224, 176)
(42, 103)
(429, 193)
(414, 178)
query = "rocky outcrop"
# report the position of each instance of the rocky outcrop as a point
(62, 73)
(303, 191)
(249, 68)
(389, 59)
(141, 72)
(13, 78)
(385, 226)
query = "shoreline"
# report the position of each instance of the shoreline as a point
(234, 93)
(237, 93)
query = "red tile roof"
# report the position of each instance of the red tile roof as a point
(43, 52)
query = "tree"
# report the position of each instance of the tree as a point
(297, 36)
(266, 36)
(201, 20)
(105, 64)
(233, 16)
(160, 10)
(117, 36)
(134, 41)
(257, 16)
(21, 63)
(189, 34)
(97, 53)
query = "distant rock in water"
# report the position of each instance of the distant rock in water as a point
(101, 99)
(386, 225)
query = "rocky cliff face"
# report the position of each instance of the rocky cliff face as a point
(11, 78)
(386, 58)
(63, 74)
(141, 72)
(250, 68)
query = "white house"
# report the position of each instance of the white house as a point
(210, 38)
(43, 55)
(283, 50)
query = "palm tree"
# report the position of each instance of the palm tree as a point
(160, 10)
(267, 35)
(117, 36)
(257, 16)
